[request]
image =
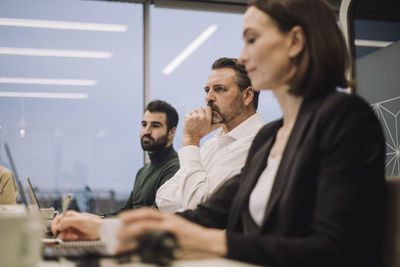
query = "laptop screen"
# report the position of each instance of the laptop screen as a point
(32, 194)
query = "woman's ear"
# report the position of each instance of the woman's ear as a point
(297, 41)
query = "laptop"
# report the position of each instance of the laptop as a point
(55, 247)
(32, 194)
(149, 244)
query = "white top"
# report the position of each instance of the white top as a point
(203, 170)
(259, 197)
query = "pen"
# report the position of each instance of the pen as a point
(64, 208)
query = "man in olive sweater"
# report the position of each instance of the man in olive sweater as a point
(156, 135)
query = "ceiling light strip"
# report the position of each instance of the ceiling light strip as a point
(54, 52)
(41, 81)
(65, 25)
(372, 43)
(44, 95)
(190, 49)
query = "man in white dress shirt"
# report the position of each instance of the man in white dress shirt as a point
(231, 103)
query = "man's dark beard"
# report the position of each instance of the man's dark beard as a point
(154, 145)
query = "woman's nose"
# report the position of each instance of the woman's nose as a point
(243, 57)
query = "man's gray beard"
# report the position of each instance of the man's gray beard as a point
(217, 117)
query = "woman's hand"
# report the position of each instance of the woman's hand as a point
(195, 241)
(77, 226)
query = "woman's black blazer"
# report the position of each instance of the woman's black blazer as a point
(327, 203)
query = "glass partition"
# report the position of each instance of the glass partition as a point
(71, 91)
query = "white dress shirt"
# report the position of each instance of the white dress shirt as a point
(203, 170)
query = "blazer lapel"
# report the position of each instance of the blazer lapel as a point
(306, 112)
(253, 170)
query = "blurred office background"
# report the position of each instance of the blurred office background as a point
(75, 74)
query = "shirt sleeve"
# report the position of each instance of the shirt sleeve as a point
(197, 180)
(199, 183)
(126, 206)
(170, 195)
(167, 197)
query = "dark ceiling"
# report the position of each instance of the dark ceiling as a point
(388, 10)
(366, 9)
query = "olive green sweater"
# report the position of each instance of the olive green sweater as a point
(163, 165)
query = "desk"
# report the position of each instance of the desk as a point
(216, 262)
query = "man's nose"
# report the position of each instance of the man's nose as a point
(147, 129)
(210, 97)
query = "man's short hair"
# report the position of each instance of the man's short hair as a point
(242, 80)
(164, 107)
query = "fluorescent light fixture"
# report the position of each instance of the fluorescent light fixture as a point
(73, 82)
(44, 95)
(190, 49)
(54, 52)
(65, 25)
(372, 43)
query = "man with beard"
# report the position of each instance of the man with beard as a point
(156, 135)
(232, 104)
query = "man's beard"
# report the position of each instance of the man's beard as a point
(154, 145)
(235, 109)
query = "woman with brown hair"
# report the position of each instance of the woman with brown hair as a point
(312, 190)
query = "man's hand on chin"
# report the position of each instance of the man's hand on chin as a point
(197, 124)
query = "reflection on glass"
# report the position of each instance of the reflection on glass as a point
(71, 86)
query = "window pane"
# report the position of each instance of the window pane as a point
(71, 93)
(174, 31)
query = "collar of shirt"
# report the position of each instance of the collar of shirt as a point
(243, 129)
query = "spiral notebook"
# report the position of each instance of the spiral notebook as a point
(53, 248)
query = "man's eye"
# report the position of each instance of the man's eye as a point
(207, 90)
(218, 89)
